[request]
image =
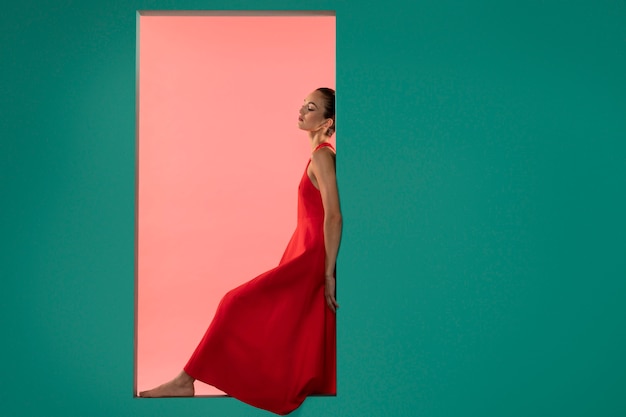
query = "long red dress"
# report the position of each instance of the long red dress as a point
(272, 340)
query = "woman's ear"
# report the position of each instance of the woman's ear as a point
(325, 124)
(330, 127)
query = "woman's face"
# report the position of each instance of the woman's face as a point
(311, 117)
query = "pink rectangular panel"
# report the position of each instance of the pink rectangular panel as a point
(219, 161)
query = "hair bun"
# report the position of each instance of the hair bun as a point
(329, 108)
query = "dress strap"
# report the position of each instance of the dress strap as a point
(324, 144)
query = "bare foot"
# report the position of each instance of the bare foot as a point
(181, 386)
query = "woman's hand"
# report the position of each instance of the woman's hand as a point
(329, 293)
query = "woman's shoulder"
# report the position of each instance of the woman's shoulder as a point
(324, 156)
(323, 152)
(324, 149)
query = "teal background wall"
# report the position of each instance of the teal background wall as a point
(482, 173)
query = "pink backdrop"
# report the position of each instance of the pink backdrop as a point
(219, 160)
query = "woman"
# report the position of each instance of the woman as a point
(272, 340)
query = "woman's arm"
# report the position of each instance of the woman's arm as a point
(323, 165)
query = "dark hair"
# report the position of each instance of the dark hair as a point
(329, 107)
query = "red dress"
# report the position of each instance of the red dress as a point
(272, 340)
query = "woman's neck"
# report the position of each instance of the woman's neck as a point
(317, 139)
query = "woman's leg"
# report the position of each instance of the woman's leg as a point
(181, 386)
